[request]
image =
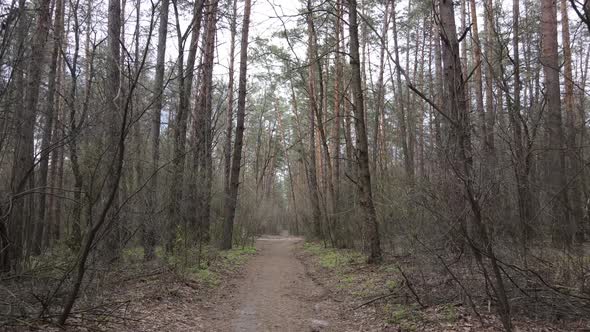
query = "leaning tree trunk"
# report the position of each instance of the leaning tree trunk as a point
(116, 150)
(460, 159)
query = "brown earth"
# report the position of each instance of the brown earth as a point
(276, 294)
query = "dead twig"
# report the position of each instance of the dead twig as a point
(384, 296)
(411, 288)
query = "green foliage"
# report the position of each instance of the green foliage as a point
(204, 275)
(236, 256)
(53, 260)
(133, 254)
(391, 284)
(449, 313)
(366, 288)
(406, 317)
(331, 258)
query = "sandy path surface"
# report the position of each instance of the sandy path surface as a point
(275, 294)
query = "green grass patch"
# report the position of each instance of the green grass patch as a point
(331, 258)
(206, 276)
(391, 284)
(236, 256)
(448, 313)
(133, 254)
(406, 317)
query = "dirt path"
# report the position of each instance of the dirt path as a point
(275, 294)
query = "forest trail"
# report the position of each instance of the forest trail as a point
(276, 294)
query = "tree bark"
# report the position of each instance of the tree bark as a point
(42, 221)
(460, 156)
(477, 62)
(402, 119)
(362, 146)
(202, 164)
(555, 169)
(230, 100)
(149, 239)
(180, 121)
(231, 203)
(575, 163)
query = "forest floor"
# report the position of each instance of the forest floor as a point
(270, 291)
(291, 285)
(284, 284)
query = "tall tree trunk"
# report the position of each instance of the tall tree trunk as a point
(114, 96)
(180, 121)
(203, 113)
(575, 164)
(12, 241)
(22, 178)
(312, 105)
(460, 158)
(522, 166)
(477, 62)
(337, 118)
(379, 134)
(230, 100)
(74, 126)
(149, 239)
(402, 121)
(232, 199)
(362, 146)
(555, 169)
(116, 152)
(490, 112)
(42, 224)
(439, 91)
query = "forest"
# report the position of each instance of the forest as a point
(436, 146)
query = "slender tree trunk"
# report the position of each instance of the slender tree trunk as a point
(402, 121)
(23, 160)
(439, 91)
(521, 167)
(312, 105)
(230, 100)
(575, 164)
(555, 169)
(149, 238)
(114, 96)
(489, 81)
(460, 158)
(231, 203)
(337, 118)
(378, 139)
(362, 147)
(180, 121)
(42, 221)
(12, 241)
(477, 62)
(203, 129)
(116, 150)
